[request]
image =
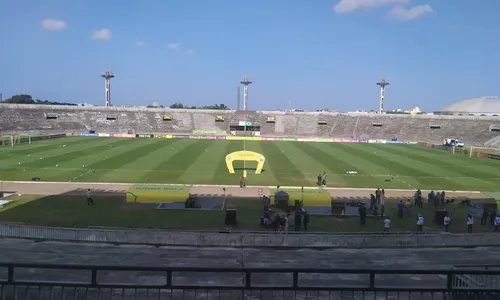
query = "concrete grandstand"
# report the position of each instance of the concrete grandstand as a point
(37, 119)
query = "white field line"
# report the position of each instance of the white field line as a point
(81, 175)
(393, 176)
(216, 185)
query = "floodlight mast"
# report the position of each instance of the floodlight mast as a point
(382, 82)
(246, 82)
(108, 75)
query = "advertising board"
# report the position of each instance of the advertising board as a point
(144, 135)
(104, 134)
(198, 137)
(180, 136)
(289, 139)
(362, 141)
(89, 134)
(208, 132)
(395, 142)
(493, 156)
(123, 135)
(220, 137)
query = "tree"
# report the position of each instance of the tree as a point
(215, 106)
(28, 99)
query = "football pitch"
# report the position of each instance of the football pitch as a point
(143, 160)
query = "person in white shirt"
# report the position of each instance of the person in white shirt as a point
(447, 222)
(470, 221)
(387, 223)
(286, 223)
(420, 223)
(382, 205)
(496, 223)
(90, 201)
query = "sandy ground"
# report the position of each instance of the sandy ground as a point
(78, 188)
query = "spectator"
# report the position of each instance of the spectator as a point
(401, 207)
(387, 224)
(420, 223)
(306, 220)
(447, 222)
(470, 221)
(362, 214)
(496, 225)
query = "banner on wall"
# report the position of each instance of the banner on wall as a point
(144, 135)
(493, 156)
(363, 141)
(288, 140)
(89, 134)
(208, 132)
(270, 139)
(323, 140)
(220, 137)
(198, 137)
(305, 140)
(163, 136)
(395, 142)
(243, 138)
(122, 135)
(104, 134)
(180, 136)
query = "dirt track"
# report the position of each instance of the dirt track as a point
(52, 188)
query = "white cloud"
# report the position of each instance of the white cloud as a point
(406, 14)
(349, 6)
(103, 35)
(190, 52)
(140, 43)
(174, 46)
(53, 24)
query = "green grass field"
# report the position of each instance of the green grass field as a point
(144, 160)
(112, 211)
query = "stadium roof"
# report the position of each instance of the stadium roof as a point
(477, 105)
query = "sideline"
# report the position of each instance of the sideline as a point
(217, 185)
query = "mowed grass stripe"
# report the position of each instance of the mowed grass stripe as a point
(45, 145)
(135, 169)
(184, 153)
(461, 168)
(401, 165)
(204, 167)
(335, 163)
(55, 149)
(36, 160)
(309, 165)
(368, 173)
(381, 159)
(490, 165)
(268, 175)
(79, 154)
(282, 165)
(125, 154)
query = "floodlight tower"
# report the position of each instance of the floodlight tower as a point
(246, 82)
(108, 74)
(382, 82)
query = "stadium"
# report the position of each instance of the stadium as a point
(144, 165)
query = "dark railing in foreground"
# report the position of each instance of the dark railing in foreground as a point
(49, 281)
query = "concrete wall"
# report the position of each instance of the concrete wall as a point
(250, 240)
(32, 119)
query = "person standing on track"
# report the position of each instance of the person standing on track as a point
(90, 201)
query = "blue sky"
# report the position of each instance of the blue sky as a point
(312, 53)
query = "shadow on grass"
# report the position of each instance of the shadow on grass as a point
(111, 210)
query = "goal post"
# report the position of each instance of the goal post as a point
(482, 151)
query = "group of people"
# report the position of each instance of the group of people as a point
(321, 179)
(281, 223)
(404, 208)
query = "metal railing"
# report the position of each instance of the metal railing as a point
(48, 281)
